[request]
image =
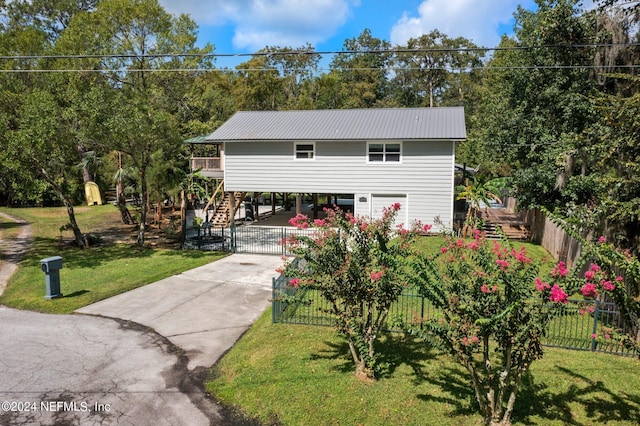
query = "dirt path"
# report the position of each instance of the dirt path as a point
(14, 251)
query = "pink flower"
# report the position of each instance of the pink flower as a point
(602, 239)
(589, 290)
(503, 264)
(558, 295)
(319, 222)
(589, 275)
(541, 285)
(607, 285)
(426, 228)
(607, 336)
(375, 276)
(460, 243)
(521, 256)
(295, 282)
(560, 270)
(474, 245)
(363, 226)
(619, 278)
(396, 206)
(594, 335)
(594, 267)
(485, 289)
(299, 221)
(443, 250)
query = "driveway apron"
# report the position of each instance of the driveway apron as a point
(203, 311)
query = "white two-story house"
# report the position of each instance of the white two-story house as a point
(380, 156)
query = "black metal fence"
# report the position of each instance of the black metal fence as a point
(271, 240)
(583, 324)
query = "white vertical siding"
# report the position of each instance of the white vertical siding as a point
(425, 173)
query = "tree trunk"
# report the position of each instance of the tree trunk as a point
(86, 173)
(143, 208)
(183, 216)
(80, 239)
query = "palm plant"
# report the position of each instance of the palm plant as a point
(479, 192)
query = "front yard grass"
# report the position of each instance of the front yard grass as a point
(92, 274)
(301, 375)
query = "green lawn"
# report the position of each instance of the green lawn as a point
(302, 375)
(92, 274)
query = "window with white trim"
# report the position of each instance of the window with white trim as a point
(305, 151)
(384, 152)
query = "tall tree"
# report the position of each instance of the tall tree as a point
(134, 42)
(537, 107)
(431, 69)
(362, 68)
(43, 142)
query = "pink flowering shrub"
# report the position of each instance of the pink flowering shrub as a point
(359, 267)
(494, 311)
(613, 274)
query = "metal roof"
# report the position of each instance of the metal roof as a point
(344, 124)
(197, 139)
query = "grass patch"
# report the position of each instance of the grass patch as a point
(300, 375)
(92, 274)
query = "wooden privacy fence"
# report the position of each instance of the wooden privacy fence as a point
(562, 246)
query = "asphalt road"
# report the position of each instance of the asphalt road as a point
(78, 369)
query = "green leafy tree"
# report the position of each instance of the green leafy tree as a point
(537, 105)
(133, 42)
(362, 71)
(359, 268)
(493, 311)
(431, 68)
(43, 142)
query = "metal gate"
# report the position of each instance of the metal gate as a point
(272, 240)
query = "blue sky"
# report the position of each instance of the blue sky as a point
(245, 26)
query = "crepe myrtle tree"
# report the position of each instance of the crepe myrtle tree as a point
(492, 313)
(359, 266)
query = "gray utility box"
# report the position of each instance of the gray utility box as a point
(51, 267)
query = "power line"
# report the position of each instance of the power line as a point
(386, 69)
(313, 52)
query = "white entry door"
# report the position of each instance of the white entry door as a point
(381, 201)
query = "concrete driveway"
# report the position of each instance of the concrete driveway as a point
(204, 311)
(134, 359)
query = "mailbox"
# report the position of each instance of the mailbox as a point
(51, 267)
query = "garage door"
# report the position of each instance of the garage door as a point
(380, 201)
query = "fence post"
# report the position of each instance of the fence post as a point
(199, 239)
(422, 313)
(232, 234)
(283, 236)
(595, 325)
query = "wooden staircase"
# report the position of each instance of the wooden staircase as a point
(512, 227)
(221, 214)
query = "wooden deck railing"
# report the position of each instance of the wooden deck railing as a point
(206, 163)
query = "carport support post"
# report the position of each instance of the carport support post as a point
(298, 203)
(273, 203)
(314, 200)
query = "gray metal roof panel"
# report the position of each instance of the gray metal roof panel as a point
(344, 124)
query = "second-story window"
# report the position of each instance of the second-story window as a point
(305, 151)
(384, 152)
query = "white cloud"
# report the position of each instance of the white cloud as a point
(476, 20)
(481, 21)
(259, 23)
